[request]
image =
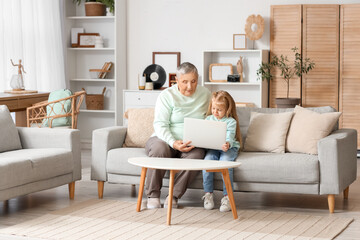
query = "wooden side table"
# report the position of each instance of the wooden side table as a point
(175, 165)
(19, 102)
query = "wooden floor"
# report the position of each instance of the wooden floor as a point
(24, 208)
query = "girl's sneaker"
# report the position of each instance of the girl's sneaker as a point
(225, 204)
(208, 201)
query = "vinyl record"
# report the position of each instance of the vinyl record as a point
(156, 74)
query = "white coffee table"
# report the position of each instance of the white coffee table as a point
(175, 165)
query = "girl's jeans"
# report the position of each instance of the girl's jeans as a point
(218, 155)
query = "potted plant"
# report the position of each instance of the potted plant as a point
(288, 70)
(97, 7)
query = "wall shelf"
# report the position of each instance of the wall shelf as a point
(96, 111)
(90, 18)
(251, 90)
(91, 49)
(92, 80)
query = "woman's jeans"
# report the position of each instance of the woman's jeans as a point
(218, 155)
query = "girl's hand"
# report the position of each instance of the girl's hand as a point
(225, 146)
(182, 147)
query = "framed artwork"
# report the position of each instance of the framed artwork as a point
(87, 40)
(172, 79)
(239, 41)
(169, 61)
(218, 72)
(74, 36)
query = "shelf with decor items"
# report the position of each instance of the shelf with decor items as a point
(80, 59)
(251, 89)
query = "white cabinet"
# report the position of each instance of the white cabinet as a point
(139, 99)
(251, 89)
(78, 61)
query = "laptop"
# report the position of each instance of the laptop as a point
(204, 133)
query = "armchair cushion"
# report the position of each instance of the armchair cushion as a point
(307, 128)
(30, 165)
(140, 126)
(9, 136)
(59, 108)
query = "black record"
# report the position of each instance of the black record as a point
(156, 74)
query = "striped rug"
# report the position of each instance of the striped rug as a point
(110, 219)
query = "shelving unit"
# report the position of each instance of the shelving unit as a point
(251, 90)
(78, 61)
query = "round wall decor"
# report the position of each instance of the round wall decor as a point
(156, 74)
(254, 27)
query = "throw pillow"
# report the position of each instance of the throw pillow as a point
(9, 136)
(140, 126)
(307, 128)
(58, 109)
(267, 132)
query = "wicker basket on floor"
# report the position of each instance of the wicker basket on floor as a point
(95, 101)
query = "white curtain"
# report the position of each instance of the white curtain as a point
(31, 30)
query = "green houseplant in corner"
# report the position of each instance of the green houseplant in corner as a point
(298, 67)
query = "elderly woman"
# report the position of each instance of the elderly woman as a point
(184, 99)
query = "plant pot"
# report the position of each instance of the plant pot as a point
(287, 102)
(95, 9)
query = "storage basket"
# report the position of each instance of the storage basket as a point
(95, 9)
(95, 101)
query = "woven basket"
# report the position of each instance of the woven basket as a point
(95, 9)
(95, 101)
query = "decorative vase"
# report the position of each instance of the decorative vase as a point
(95, 9)
(287, 102)
(99, 42)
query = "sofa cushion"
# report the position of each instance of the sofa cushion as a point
(30, 165)
(117, 161)
(140, 126)
(277, 168)
(244, 114)
(9, 136)
(307, 128)
(267, 132)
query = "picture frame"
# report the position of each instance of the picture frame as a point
(218, 72)
(74, 36)
(87, 40)
(172, 79)
(239, 42)
(169, 61)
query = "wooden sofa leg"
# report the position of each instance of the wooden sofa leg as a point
(100, 189)
(331, 202)
(71, 190)
(346, 193)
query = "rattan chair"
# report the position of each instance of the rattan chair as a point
(42, 114)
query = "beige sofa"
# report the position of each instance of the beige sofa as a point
(330, 172)
(35, 159)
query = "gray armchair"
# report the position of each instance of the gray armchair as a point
(35, 159)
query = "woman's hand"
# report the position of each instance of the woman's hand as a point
(182, 147)
(225, 146)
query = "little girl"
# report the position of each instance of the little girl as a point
(222, 107)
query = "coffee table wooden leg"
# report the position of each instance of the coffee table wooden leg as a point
(170, 197)
(225, 173)
(141, 188)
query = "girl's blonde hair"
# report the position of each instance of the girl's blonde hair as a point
(225, 99)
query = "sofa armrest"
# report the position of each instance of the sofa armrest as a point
(54, 138)
(103, 140)
(338, 161)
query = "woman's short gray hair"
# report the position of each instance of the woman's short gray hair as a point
(186, 68)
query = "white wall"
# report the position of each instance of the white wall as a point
(191, 26)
